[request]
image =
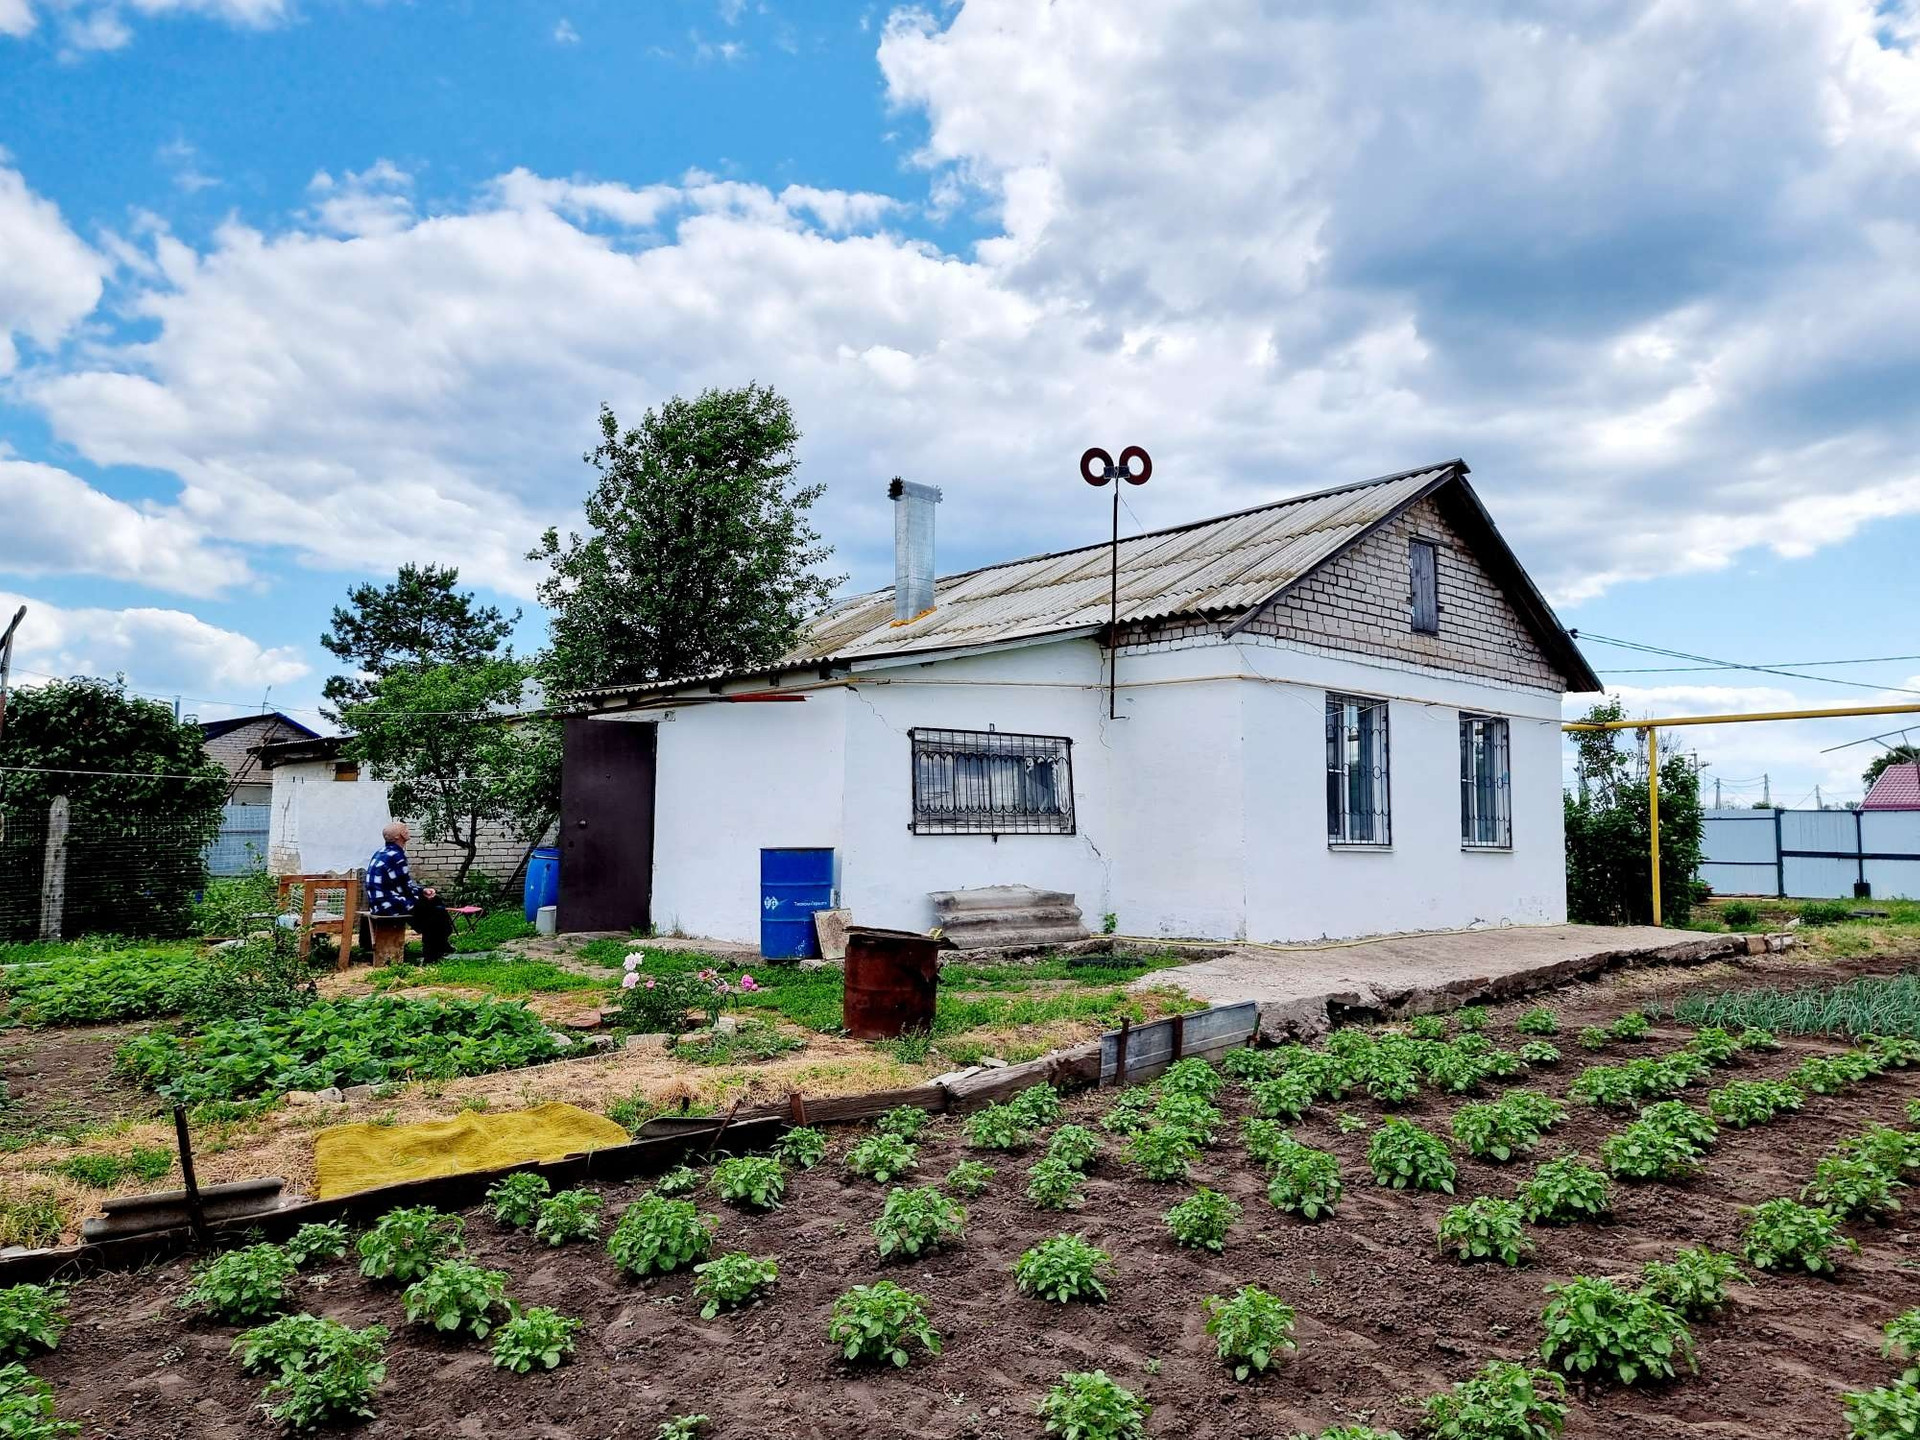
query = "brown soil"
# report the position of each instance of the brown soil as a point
(1383, 1319)
(64, 1079)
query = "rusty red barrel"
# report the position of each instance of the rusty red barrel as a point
(893, 977)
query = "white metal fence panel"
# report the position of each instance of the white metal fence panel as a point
(241, 846)
(1812, 854)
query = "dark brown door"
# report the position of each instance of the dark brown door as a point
(606, 825)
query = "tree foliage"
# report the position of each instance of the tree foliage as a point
(419, 621)
(146, 805)
(699, 555)
(1902, 754)
(1608, 835)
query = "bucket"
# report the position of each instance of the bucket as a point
(543, 881)
(892, 982)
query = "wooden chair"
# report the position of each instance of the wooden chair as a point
(342, 925)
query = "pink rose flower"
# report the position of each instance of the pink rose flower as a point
(649, 982)
(634, 960)
(629, 980)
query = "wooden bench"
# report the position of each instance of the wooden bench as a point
(385, 936)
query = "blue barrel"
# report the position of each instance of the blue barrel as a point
(793, 884)
(543, 880)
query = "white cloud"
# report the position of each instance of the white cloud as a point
(16, 17)
(89, 25)
(182, 158)
(160, 650)
(49, 277)
(564, 33)
(1648, 266)
(57, 524)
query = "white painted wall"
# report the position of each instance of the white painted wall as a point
(1201, 812)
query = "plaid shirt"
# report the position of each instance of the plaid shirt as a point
(390, 887)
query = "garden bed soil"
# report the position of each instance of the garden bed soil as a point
(1383, 1319)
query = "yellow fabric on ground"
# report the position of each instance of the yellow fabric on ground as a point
(351, 1158)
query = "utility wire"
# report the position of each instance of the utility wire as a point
(1694, 669)
(1708, 662)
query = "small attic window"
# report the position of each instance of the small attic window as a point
(347, 770)
(1423, 585)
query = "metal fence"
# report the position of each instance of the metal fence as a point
(241, 846)
(1813, 854)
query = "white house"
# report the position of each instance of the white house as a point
(1334, 715)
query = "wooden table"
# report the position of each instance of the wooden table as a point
(311, 887)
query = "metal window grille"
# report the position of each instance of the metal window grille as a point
(1423, 584)
(1358, 790)
(982, 782)
(1486, 799)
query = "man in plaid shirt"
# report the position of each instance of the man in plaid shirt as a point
(391, 890)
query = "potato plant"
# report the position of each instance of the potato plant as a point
(1694, 1282)
(1500, 1401)
(1540, 1020)
(1714, 1045)
(1594, 1037)
(887, 1157)
(1646, 1152)
(1596, 1330)
(755, 1182)
(1285, 1097)
(1564, 1191)
(878, 1321)
(242, 1285)
(1164, 1152)
(1677, 1118)
(915, 1222)
(1470, 1019)
(1741, 1103)
(683, 1180)
(1902, 1336)
(1203, 1219)
(1428, 1027)
(1891, 1412)
(325, 1240)
(1853, 1189)
(729, 1281)
(1192, 1076)
(1494, 1130)
(1055, 1185)
(32, 1319)
(455, 1295)
(1266, 1140)
(1247, 1064)
(1305, 1181)
(1756, 1038)
(969, 1178)
(1062, 1269)
(1131, 1111)
(1451, 1069)
(1830, 1074)
(1889, 1150)
(26, 1406)
(1486, 1228)
(1539, 1052)
(570, 1215)
(1074, 1146)
(1783, 1234)
(1090, 1405)
(906, 1121)
(1251, 1330)
(1632, 1026)
(994, 1127)
(1406, 1157)
(802, 1147)
(408, 1241)
(657, 1236)
(537, 1337)
(1190, 1114)
(1037, 1106)
(1892, 1052)
(516, 1199)
(323, 1372)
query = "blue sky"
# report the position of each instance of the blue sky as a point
(292, 290)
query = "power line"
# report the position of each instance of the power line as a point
(1695, 669)
(1709, 662)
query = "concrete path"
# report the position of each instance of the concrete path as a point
(1301, 990)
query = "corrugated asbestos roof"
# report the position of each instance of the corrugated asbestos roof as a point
(1227, 564)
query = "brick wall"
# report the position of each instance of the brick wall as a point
(1359, 603)
(498, 856)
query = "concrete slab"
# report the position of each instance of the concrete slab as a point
(1302, 990)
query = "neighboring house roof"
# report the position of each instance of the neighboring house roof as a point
(1895, 788)
(313, 747)
(1232, 565)
(214, 729)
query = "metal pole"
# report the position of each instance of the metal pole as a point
(1653, 811)
(6, 662)
(196, 1216)
(1113, 610)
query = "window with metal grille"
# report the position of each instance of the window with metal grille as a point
(1486, 806)
(1357, 785)
(1423, 577)
(983, 782)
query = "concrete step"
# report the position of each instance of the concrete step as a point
(1004, 936)
(995, 897)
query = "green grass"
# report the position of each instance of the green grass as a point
(1870, 1005)
(1016, 994)
(501, 976)
(146, 1164)
(490, 931)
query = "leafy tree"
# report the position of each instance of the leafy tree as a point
(1902, 754)
(1608, 835)
(419, 620)
(699, 554)
(453, 761)
(147, 805)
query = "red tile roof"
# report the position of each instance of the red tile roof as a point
(1898, 788)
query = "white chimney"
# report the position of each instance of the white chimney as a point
(912, 548)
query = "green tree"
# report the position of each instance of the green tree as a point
(421, 619)
(1902, 754)
(454, 754)
(699, 555)
(143, 808)
(1608, 835)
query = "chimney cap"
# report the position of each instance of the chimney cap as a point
(898, 489)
